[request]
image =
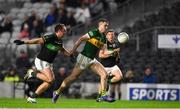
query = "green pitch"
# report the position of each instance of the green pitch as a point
(85, 103)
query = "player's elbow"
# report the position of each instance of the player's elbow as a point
(66, 53)
(100, 56)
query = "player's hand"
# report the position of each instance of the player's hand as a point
(18, 42)
(116, 50)
(71, 52)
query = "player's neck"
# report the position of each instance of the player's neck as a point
(111, 41)
(58, 36)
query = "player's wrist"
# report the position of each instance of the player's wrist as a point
(19, 42)
(23, 42)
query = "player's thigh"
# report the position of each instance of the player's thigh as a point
(98, 68)
(45, 68)
(116, 72)
(49, 73)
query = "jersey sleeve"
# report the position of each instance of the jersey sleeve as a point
(48, 38)
(92, 33)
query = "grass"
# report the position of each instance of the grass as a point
(86, 103)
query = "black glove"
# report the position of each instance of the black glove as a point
(18, 42)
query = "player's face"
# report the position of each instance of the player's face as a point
(110, 36)
(103, 26)
(62, 32)
(148, 71)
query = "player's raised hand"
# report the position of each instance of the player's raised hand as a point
(18, 42)
(116, 50)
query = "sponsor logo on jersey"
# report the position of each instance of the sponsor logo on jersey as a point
(91, 33)
(96, 42)
(52, 47)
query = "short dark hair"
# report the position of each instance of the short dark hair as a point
(103, 20)
(110, 30)
(59, 27)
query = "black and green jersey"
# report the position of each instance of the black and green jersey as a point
(110, 61)
(94, 44)
(50, 48)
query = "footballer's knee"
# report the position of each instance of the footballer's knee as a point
(118, 77)
(103, 75)
(121, 77)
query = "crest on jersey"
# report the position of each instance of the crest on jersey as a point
(91, 33)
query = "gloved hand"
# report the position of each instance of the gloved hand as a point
(18, 42)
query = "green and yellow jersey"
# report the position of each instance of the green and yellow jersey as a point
(94, 44)
(50, 48)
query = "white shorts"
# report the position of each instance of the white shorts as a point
(84, 62)
(40, 65)
(112, 69)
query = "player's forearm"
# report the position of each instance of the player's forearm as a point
(34, 41)
(66, 53)
(104, 54)
(78, 42)
(76, 45)
(116, 50)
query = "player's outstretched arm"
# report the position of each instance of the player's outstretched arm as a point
(65, 52)
(78, 42)
(116, 50)
(32, 41)
(104, 53)
(18, 42)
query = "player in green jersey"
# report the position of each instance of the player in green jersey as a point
(51, 44)
(95, 40)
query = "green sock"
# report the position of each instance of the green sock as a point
(34, 74)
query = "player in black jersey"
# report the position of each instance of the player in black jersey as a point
(51, 44)
(109, 57)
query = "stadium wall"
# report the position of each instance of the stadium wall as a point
(131, 91)
(11, 90)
